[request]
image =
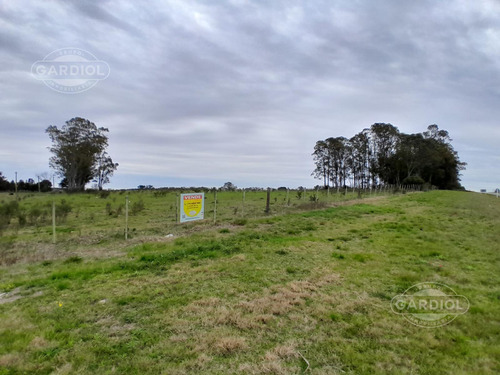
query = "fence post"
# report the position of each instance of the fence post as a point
(215, 206)
(243, 205)
(126, 217)
(53, 221)
(268, 200)
(17, 198)
(177, 208)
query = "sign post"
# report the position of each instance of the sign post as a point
(192, 207)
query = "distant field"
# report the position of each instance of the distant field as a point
(301, 290)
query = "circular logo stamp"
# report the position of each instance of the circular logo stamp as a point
(70, 70)
(429, 304)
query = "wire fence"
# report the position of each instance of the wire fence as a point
(98, 217)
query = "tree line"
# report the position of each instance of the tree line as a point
(30, 184)
(382, 155)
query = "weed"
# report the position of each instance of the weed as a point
(240, 222)
(73, 259)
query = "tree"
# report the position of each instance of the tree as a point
(384, 141)
(228, 186)
(45, 186)
(77, 148)
(105, 169)
(4, 183)
(383, 155)
(322, 161)
(360, 159)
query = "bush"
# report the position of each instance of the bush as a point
(73, 259)
(413, 180)
(313, 198)
(104, 194)
(137, 207)
(240, 221)
(4, 222)
(119, 210)
(63, 209)
(33, 214)
(21, 218)
(7, 212)
(10, 209)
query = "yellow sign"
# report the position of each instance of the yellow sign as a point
(192, 206)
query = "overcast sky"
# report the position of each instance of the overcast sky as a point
(204, 92)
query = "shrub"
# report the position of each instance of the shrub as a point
(21, 218)
(63, 209)
(137, 207)
(73, 259)
(413, 180)
(313, 198)
(10, 209)
(240, 221)
(119, 210)
(104, 194)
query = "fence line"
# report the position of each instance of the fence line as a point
(99, 215)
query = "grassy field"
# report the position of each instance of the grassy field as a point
(294, 292)
(99, 218)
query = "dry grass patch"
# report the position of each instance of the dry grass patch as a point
(231, 317)
(229, 345)
(39, 343)
(211, 314)
(65, 369)
(112, 328)
(285, 351)
(282, 301)
(273, 362)
(10, 360)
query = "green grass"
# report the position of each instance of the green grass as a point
(101, 216)
(253, 295)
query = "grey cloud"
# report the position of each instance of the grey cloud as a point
(97, 10)
(250, 86)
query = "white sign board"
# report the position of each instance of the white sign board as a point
(192, 207)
